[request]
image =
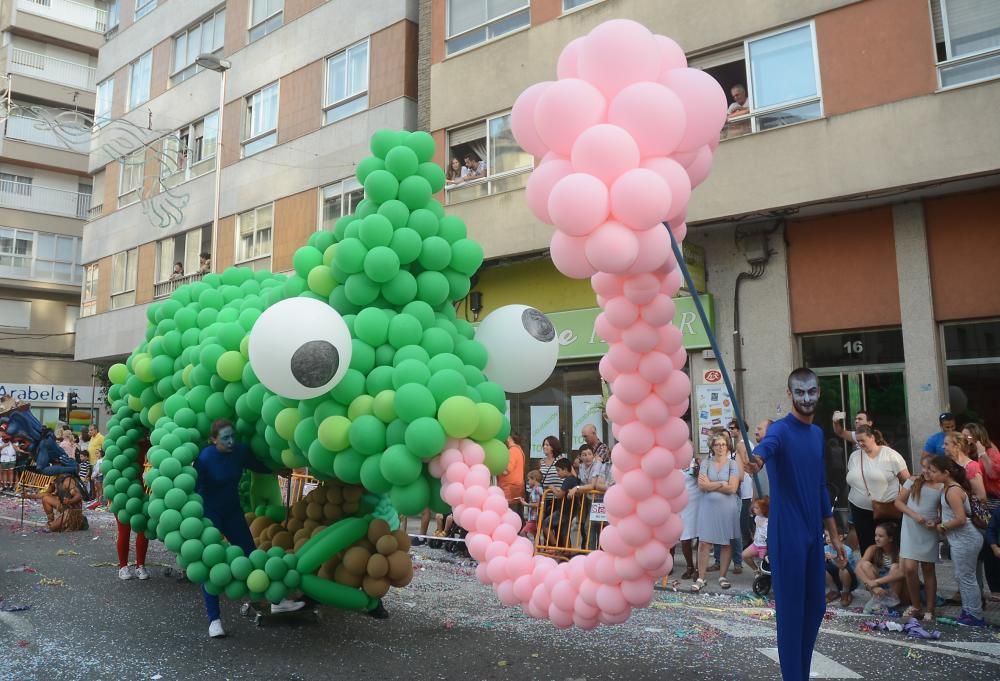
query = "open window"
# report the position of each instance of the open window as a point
(124, 267)
(178, 260)
(483, 159)
(190, 151)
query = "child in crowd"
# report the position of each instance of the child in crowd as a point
(532, 503)
(8, 459)
(97, 481)
(843, 579)
(758, 548)
(920, 500)
(879, 570)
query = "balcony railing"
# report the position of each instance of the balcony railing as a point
(52, 69)
(68, 12)
(484, 186)
(38, 199)
(95, 212)
(40, 131)
(165, 288)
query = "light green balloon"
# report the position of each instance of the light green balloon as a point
(230, 366)
(458, 416)
(333, 433)
(321, 280)
(490, 422)
(118, 373)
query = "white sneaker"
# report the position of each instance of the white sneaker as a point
(141, 572)
(215, 629)
(286, 606)
(125, 573)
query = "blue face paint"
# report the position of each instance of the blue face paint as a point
(225, 440)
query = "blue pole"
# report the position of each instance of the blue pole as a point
(679, 255)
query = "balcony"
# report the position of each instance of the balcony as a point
(165, 288)
(95, 212)
(44, 67)
(68, 12)
(38, 199)
(485, 186)
(48, 134)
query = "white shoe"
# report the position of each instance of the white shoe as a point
(286, 606)
(141, 572)
(125, 573)
(215, 629)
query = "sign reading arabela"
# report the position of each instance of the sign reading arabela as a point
(577, 338)
(33, 392)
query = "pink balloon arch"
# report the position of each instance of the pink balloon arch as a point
(624, 134)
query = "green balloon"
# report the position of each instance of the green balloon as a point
(230, 365)
(410, 371)
(425, 437)
(275, 568)
(414, 191)
(396, 212)
(452, 228)
(466, 256)
(196, 572)
(275, 592)
(379, 379)
(401, 289)
(458, 416)
(192, 549)
(375, 230)
(445, 383)
(381, 264)
(191, 509)
(305, 259)
(413, 401)
(422, 144)
(401, 162)
(381, 185)
(490, 422)
(236, 590)
(423, 222)
(190, 527)
(432, 288)
(372, 326)
(241, 568)
(435, 253)
(258, 581)
(433, 174)
(437, 341)
(220, 575)
(322, 240)
(118, 373)
(170, 468)
(366, 166)
(211, 298)
(384, 407)
(413, 498)
(371, 475)
(175, 499)
(497, 456)
(333, 433)
(473, 353)
(360, 290)
(213, 555)
(347, 466)
(383, 141)
(399, 467)
(321, 280)
(350, 255)
(404, 329)
(422, 311)
(367, 435)
(216, 407)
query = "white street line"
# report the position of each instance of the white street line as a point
(822, 667)
(987, 648)
(738, 629)
(910, 643)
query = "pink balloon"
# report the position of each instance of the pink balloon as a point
(468, 518)
(487, 522)
(453, 493)
(680, 229)
(654, 250)
(566, 109)
(700, 168)
(481, 573)
(563, 595)
(477, 545)
(676, 178)
(496, 569)
(621, 313)
(671, 54)
(618, 411)
(618, 501)
(522, 120)
(474, 496)
(658, 462)
(676, 388)
(608, 285)
(679, 358)
(636, 437)
(535, 611)
(585, 623)
(497, 504)
(522, 546)
(473, 454)
(435, 468)
(671, 283)
(682, 455)
(633, 531)
(669, 532)
(585, 609)
(605, 151)
(652, 114)
(588, 590)
(660, 311)
(625, 459)
(638, 484)
(704, 104)
(653, 511)
(655, 367)
(652, 554)
(450, 456)
(642, 337)
(523, 587)
(622, 358)
(456, 472)
(613, 544)
(640, 199)
(570, 257)
(495, 550)
(604, 568)
(671, 485)
(669, 339)
(559, 617)
(631, 388)
(640, 289)
(568, 64)
(540, 596)
(577, 570)
(677, 504)
(578, 204)
(617, 53)
(479, 475)
(504, 533)
(610, 599)
(614, 618)
(608, 370)
(612, 247)
(505, 590)
(652, 412)
(638, 592)
(628, 568)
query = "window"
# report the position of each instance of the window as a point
(88, 294)
(123, 272)
(143, 7)
(573, 4)
(494, 153)
(780, 87)
(113, 18)
(188, 152)
(102, 108)
(253, 236)
(18, 185)
(57, 258)
(261, 122)
(972, 360)
(185, 249)
(16, 251)
(72, 315)
(340, 199)
(15, 314)
(140, 73)
(205, 37)
(346, 83)
(471, 22)
(131, 176)
(265, 17)
(967, 36)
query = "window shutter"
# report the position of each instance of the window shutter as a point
(726, 55)
(466, 134)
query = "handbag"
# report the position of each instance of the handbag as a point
(881, 510)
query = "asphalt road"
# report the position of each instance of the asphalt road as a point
(84, 623)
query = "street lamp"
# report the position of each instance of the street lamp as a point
(214, 63)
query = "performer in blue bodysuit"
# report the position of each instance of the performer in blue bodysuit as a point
(792, 450)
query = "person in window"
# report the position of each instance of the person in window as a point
(453, 175)
(205, 263)
(739, 107)
(474, 168)
(178, 270)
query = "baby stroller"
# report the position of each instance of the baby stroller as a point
(762, 582)
(457, 547)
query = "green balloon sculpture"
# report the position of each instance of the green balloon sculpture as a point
(392, 271)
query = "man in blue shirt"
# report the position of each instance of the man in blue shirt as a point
(935, 443)
(792, 450)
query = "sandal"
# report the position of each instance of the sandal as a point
(724, 583)
(689, 573)
(846, 598)
(698, 585)
(912, 612)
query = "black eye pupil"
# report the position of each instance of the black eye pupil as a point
(315, 363)
(538, 325)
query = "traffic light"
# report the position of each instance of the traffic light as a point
(71, 401)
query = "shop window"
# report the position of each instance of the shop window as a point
(88, 293)
(346, 83)
(178, 260)
(105, 94)
(260, 126)
(140, 74)
(770, 81)
(471, 22)
(967, 40)
(205, 37)
(190, 151)
(489, 158)
(124, 267)
(972, 360)
(265, 17)
(254, 231)
(340, 199)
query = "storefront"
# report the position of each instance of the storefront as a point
(48, 402)
(972, 363)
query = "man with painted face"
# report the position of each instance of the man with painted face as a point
(220, 467)
(792, 451)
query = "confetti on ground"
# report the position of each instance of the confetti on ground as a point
(48, 581)
(913, 654)
(106, 563)
(13, 608)
(66, 552)
(502, 663)
(24, 568)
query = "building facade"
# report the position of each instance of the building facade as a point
(846, 226)
(306, 83)
(48, 55)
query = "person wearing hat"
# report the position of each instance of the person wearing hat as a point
(935, 443)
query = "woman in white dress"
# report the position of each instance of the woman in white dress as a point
(919, 501)
(689, 516)
(874, 473)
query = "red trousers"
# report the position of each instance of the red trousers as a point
(141, 544)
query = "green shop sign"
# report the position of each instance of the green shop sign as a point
(575, 328)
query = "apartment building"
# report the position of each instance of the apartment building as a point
(48, 58)
(849, 223)
(306, 82)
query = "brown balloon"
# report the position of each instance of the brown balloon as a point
(377, 566)
(400, 565)
(344, 576)
(387, 545)
(314, 511)
(283, 539)
(402, 540)
(376, 529)
(375, 587)
(356, 559)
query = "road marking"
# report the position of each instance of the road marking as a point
(987, 648)
(910, 643)
(822, 667)
(739, 629)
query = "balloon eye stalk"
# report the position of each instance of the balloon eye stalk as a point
(476, 304)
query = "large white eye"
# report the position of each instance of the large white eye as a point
(300, 348)
(522, 347)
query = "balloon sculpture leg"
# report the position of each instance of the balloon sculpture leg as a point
(234, 527)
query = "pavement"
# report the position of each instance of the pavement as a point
(84, 623)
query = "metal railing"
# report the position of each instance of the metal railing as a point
(95, 212)
(165, 288)
(39, 131)
(68, 12)
(53, 69)
(569, 526)
(485, 186)
(40, 199)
